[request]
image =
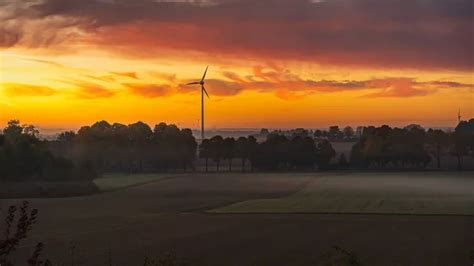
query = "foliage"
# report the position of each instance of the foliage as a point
(128, 148)
(276, 153)
(24, 157)
(18, 223)
(412, 146)
(384, 146)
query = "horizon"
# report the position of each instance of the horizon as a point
(51, 132)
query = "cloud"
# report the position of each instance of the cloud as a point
(397, 87)
(132, 75)
(275, 79)
(47, 62)
(150, 90)
(88, 90)
(450, 84)
(19, 90)
(265, 79)
(217, 87)
(290, 86)
(8, 37)
(370, 33)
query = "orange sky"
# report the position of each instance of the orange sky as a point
(62, 69)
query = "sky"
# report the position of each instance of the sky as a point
(272, 63)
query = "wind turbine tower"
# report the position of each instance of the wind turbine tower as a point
(459, 115)
(203, 91)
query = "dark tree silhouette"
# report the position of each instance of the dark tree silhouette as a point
(205, 151)
(348, 133)
(462, 141)
(438, 141)
(24, 157)
(132, 148)
(217, 150)
(325, 153)
(229, 151)
(343, 161)
(383, 146)
(241, 151)
(335, 133)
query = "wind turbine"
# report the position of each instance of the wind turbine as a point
(203, 91)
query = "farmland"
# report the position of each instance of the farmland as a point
(391, 193)
(206, 219)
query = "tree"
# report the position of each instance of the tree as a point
(325, 152)
(438, 140)
(13, 129)
(251, 150)
(343, 161)
(217, 150)
(30, 130)
(334, 133)
(348, 132)
(459, 146)
(241, 151)
(318, 133)
(24, 157)
(229, 151)
(302, 153)
(66, 137)
(205, 151)
(264, 132)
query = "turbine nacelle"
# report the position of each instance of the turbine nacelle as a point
(201, 82)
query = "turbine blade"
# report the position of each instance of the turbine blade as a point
(205, 72)
(193, 83)
(204, 89)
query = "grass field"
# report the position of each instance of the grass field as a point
(395, 193)
(111, 182)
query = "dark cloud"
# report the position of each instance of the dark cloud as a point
(373, 33)
(9, 37)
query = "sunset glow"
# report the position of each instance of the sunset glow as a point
(64, 64)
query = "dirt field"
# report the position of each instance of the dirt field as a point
(170, 214)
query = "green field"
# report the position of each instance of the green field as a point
(111, 182)
(396, 193)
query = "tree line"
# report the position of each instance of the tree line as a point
(23, 156)
(333, 134)
(277, 152)
(129, 148)
(104, 147)
(412, 147)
